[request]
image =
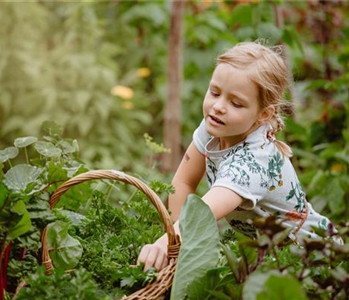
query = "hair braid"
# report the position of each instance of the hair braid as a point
(279, 123)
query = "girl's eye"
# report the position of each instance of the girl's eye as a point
(214, 94)
(237, 105)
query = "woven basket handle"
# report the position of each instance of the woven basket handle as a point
(173, 239)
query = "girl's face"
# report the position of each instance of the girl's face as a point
(231, 107)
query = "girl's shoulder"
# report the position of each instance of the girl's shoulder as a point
(201, 137)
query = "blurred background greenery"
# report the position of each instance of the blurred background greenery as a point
(100, 70)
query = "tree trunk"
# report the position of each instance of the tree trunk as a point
(279, 22)
(172, 117)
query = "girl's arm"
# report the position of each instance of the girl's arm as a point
(186, 179)
(221, 201)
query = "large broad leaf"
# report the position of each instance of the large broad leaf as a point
(1, 171)
(272, 285)
(24, 223)
(8, 153)
(18, 177)
(47, 149)
(25, 141)
(200, 244)
(65, 251)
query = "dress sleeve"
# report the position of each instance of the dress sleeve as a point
(245, 175)
(201, 137)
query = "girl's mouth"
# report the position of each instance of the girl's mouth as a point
(216, 120)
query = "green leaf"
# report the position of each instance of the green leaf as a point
(74, 217)
(1, 171)
(200, 244)
(281, 236)
(342, 157)
(3, 194)
(24, 223)
(242, 15)
(335, 195)
(210, 283)
(340, 274)
(8, 153)
(65, 251)
(272, 285)
(255, 283)
(269, 31)
(232, 261)
(47, 149)
(66, 147)
(282, 287)
(18, 177)
(56, 172)
(291, 37)
(51, 128)
(219, 295)
(25, 141)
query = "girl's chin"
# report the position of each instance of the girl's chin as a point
(213, 133)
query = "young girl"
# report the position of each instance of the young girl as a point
(249, 171)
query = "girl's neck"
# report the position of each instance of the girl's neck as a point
(230, 141)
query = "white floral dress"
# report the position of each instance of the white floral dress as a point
(257, 171)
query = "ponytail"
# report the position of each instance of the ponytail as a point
(282, 146)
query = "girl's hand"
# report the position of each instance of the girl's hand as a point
(153, 255)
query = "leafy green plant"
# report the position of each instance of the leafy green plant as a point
(85, 232)
(272, 267)
(60, 285)
(24, 194)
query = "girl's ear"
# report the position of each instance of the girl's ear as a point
(267, 114)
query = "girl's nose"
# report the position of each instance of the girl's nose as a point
(219, 106)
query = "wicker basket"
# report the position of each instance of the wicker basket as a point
(156, 289)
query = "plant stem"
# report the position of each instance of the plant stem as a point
(3, 247)
(108, 193)
(277, 259)
(4, 204)
(26, 155)
(132, 195)
(52, 183)
(9, 162)
(305, 261)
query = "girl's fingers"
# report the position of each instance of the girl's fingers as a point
(144, 254)
(164, 263)
(151, 259)
(152, 256)
(159, 260)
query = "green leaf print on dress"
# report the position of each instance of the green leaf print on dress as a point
(241, 156)
(275, 164)
(297, 192)
(323, 224)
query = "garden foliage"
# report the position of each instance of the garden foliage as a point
(87, 234)
(100, 70)
(93, 244)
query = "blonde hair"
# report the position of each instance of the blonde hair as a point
(267, 69)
